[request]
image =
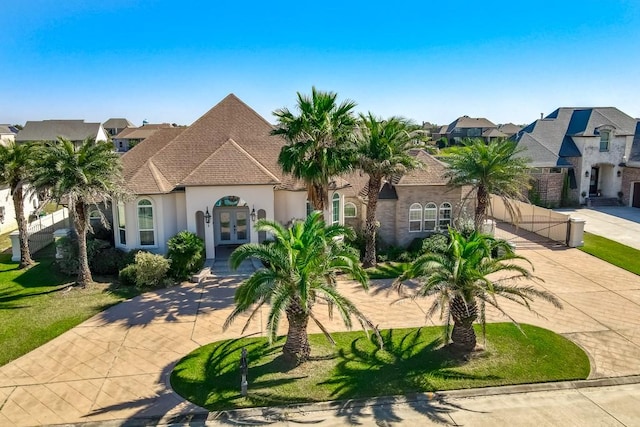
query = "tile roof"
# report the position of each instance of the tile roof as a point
(50, 130)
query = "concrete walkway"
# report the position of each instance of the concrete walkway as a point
(115, 366)
(619, 223)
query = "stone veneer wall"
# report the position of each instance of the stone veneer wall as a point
(629, 176)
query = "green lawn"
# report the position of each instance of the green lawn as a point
(614, 253)
(412, 361)
(38, 304)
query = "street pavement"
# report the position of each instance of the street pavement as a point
(113, 369)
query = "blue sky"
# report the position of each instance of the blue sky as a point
(168, 61)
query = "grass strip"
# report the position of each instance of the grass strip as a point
(615, 253)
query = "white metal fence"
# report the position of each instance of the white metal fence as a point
(40, 232)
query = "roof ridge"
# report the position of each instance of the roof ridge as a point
(161, 180)
(253, 159)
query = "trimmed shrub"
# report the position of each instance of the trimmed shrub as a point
(108, 261)
(187, 254)
(127, 275)
(151, 269)
(436, 243)
(69, 263)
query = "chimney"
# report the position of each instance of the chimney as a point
(541, 116)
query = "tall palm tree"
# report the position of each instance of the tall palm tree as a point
(16, 165)
(383, 149)
(489, 168)
(81, 176)
(318, 142)
(459, 280)
(302, 264)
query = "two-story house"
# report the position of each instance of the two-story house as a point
(577, 153)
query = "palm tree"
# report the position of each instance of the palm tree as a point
(383, 149)
(302, 263)
(489, 168)
(81, 177)
(16, 165)
(459, 280)
(318, 142)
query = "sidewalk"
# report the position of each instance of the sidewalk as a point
(114, 367)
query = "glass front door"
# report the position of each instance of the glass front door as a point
(232, 226)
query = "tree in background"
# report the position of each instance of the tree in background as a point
(319, 142)
(489, 168)
(383, 149)
(80, 177)
(16, 167)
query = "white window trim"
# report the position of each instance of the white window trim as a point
(435, 209)
(413, 208)
(155, 225)
(124, 221)
(450, 219)
(334, 198)
(355, 210)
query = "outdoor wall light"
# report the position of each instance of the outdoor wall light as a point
(253, 214)
(207, 217)
(1, 214)
(586, 174)
(619, 173)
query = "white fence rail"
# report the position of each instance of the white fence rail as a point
(40, 232)
(541, 221)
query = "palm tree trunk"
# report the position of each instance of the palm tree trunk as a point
(370, 223)
(23, 235)
(80, 225)
(481, 207)
(297, 349)
(317, 196)
(463, 337)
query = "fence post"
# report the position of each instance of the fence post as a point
(576, 232)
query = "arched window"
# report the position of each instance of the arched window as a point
(335, 215)
(350, 210)
(122, 227)
(445, 216)
(430, 216)
(146, 223)
(415, 217)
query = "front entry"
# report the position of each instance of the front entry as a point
(593, 182)
(231, 226)
(635, 202)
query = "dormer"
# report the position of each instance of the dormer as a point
(606, 133)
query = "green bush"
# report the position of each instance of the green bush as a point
(151, 270)
(108, 261)
(69, 263)
(436, 243)
(187, 254)
(127, 275)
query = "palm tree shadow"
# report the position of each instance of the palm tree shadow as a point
(421, 366)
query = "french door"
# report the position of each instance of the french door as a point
(232, 226)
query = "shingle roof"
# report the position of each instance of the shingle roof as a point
(550, 140)
(8, 129)
(470, 122)
(431, 174)
(493, 133)
(634, 155)
(117, 123)
(509, 128)
(50, 130)
(142, 132)
(230, 144)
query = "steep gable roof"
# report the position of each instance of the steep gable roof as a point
(50, 130)
(634, 155)
(230, 144)
(470, 122)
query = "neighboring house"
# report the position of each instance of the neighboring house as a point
(217, 176)
(115, 126)
(129, 137)
(7, 133)
(631, 172)
(472, 127)
(579, 150)
(75, 131)
(509, 129)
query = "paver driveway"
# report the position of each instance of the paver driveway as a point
(115, 366)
